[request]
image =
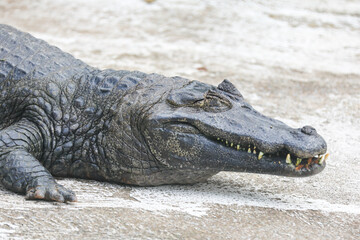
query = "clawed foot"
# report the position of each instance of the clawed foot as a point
(51, 192)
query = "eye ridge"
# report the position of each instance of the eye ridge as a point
(214, 102)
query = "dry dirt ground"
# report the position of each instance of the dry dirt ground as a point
(298, 61)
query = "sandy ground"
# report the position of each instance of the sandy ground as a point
(297, 61)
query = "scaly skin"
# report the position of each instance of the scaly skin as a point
(61, 117)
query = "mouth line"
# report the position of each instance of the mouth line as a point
(282, 157)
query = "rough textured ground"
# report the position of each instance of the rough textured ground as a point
(294, 60)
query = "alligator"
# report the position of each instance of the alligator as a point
(60, 117)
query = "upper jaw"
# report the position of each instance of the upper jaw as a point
(268, 140)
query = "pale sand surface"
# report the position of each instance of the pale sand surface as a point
(298, 61)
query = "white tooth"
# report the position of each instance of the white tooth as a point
(231, 144)
(323, 158)
(238, 147)
(298, 161)
(288, 159)
(218, 139)
(249, 150)
(227, 142)
(261, 154)
(254, 152)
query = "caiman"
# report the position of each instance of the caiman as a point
(60, 117)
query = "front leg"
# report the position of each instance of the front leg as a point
(21, 172)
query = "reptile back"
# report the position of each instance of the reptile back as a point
(22, 55)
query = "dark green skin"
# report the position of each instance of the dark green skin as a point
(60, 117)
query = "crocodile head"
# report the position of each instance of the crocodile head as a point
(200, 126)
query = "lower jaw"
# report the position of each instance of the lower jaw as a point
(273, 167)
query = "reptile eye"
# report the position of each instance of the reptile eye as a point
(214, 102)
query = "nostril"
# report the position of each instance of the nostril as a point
(309, 130)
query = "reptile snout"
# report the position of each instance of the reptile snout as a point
(309, 130)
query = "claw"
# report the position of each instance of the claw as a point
(51, 192)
